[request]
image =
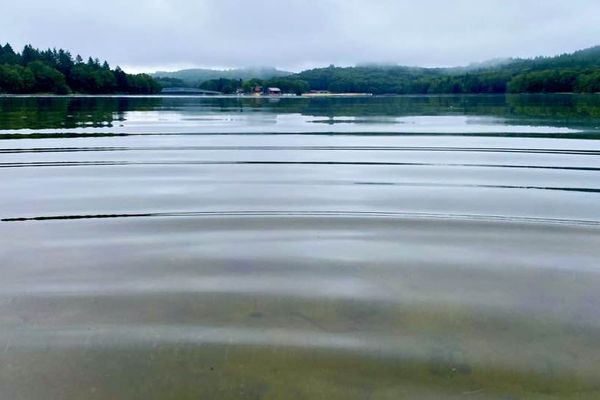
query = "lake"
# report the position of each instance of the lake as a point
(300, 248)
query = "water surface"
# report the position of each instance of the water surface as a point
(351, 248)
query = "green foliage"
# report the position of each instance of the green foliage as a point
(193, 77)
(142, 84)
(225, 86)
(368, 79)
(251, 85)
(289, 85)
(229, 86)
(577, 72)
(400, 80)
(84, 78)
(48, 79)
(52, 71)
(56, 71)
(544, 81)
(8, 56)
(588, 82)
(16, 79)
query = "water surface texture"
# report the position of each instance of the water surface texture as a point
(298, 248)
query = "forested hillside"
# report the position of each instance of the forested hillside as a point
(195, 76)
(576, 72)
(58, 72)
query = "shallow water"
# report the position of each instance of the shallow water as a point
(352, 248)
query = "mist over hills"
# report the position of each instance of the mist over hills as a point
(198, 75)
(570, 72)
(57, 71)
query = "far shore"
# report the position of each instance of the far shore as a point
(289, 96)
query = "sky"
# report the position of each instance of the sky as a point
(150, 35)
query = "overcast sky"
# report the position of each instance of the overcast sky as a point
(146, 35)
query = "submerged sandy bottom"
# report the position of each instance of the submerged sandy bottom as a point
(299, 306)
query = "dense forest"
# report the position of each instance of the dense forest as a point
(58, 72)
(52, 71)
(231, 86)
(195, 76)
(576, 72)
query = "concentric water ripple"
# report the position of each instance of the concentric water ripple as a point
(374, 248)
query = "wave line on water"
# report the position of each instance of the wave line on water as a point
(251, 162)
(318, 213)
(305, 148)
(578, 134)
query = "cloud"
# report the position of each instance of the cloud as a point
(293, 34)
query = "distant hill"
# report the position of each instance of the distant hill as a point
(57, 71)
(571, 72)
(199, 75)
(589, 57)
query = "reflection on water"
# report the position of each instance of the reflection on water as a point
(141, 114)
(355, 248)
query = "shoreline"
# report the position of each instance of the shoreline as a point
(307, 95)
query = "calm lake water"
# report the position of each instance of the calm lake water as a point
(295, 248)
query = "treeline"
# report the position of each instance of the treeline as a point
(556, 81)
(385, 81)
(576, 72)
(402, 80)
(58, 72)
(233, 86)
